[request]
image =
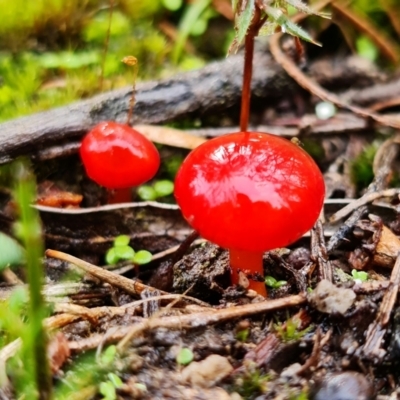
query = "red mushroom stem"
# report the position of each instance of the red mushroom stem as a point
(248, 70)
(116, 196)
(251, 264)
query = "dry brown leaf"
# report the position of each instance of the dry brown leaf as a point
(170, 136)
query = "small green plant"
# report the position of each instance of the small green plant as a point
(242, 334)
(108, 388)
(93, 374)
(288, 331)
(303, 395)
(162, 188)
(121, 251)
(271, 282)
(34, 379)
(185, 356)
(252, 382)
(359, 275)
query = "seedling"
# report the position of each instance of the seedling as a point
(359, 275)
(271, 282)
(108, 388)
(289, 331)
(158, 190)
(252, 382)
(185, 356)
(121, 251)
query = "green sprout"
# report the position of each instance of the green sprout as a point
(121, 251)
(252, 382)
(185, 356)
(162, 188)
(289, 331)
(243, 335)
(359, 275)
(109, 387)
(271, 282)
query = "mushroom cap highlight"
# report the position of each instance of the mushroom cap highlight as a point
(250, 191)
(117, 156)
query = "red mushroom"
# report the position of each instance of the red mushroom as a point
(249, 193)
(118, 157)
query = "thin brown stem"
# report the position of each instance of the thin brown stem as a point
(132, 62)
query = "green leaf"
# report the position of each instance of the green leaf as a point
(366, 48)
(124, 252)
(115, 380)
(11, 252)
(360, 275)
(146, 193)
(122, 240)
(142, 257)
(107, 389)
(184, 357)
(108, 355)
(303, 7)
(172, 5)
(111, 257)
(287, 25)
(244, 11)
(270, 281)
(164, 188)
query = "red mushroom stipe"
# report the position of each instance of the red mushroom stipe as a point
(118, 157)
(249, 193)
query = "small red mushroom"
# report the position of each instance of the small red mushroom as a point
(249, 193)
(118, 157)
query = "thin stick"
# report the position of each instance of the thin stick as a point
(132, 62)
(130, 286)
(362, 201)
(195, 320)
(372, 348)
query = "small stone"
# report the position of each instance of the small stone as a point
(348, 385)
(208, 372)
(330, 299)
(325, 110)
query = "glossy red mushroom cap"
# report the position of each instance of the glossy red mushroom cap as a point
(117, 156)
(250, 191)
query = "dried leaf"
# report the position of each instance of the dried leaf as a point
(170, 136)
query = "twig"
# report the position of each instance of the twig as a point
(191, 321)
(387, 47)
(367, 198)
(130, 286)
(372, 349)
(320, 254)
(106, 208)
(382, 168)
(319, 343)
